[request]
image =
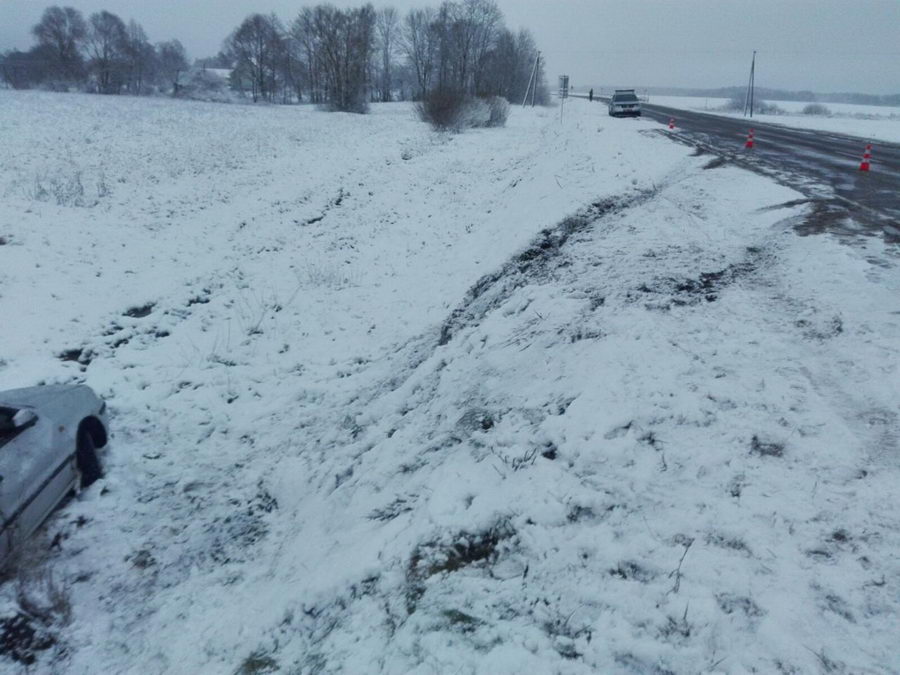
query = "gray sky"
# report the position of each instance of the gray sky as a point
(822, 45)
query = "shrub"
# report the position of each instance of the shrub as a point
(734, 104)
(203, 85)
(499, 111)
(351, 102)
(816, 109)
(442, 109)
(449, 109)
(476, 113)
(64, 187)
(737, 104)
(41, 597)
(766, 108)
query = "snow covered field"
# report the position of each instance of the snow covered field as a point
(545, 399)
(874, 122)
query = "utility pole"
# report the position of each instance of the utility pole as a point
(751, 87)
(537, 67)
(531, 81)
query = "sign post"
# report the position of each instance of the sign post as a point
(563, 94)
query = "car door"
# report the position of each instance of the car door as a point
(41, 466)
(12, 494)
(9, 503)
(54, 473)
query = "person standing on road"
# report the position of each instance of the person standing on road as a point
(591, 96)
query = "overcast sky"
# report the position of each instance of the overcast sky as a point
(822, 45)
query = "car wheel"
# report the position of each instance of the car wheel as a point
(86, 459)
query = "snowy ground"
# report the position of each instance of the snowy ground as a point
(551, 398)
(875, 122)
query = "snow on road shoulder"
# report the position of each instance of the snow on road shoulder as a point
(665, 447)
(546, 398)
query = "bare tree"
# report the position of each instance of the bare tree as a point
(295, 67)
(508, 67)
(278, 71)
(255, 46)
(172, 61)
(419, 46)
(106, 42)
(62, 32)
(306, 44)
(442, 32)
(345, 42)
(140, 57)
(386, 30)
(346, 57)
(465, 32)
(484, 21)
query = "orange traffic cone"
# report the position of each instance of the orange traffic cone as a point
(866, 160)
(671, 122)
(749, 143)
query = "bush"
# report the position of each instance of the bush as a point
(476, 113)
(499, 111)
(203, 85)
(442, 109)
(451, 110)
(352, 102)
(41, 597)
(816, 109)
(63, 187)
(737, 104)
(766, 108)
(734, 104)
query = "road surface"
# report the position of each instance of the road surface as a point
(823, 166)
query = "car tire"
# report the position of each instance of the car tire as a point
(88, 465)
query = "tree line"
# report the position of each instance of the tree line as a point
(342, 58)
(99, 54)
(347, 58)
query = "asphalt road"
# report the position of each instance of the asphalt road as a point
(823, 166)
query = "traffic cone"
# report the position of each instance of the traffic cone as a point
(866, 160)
(671, 122)
(749, 143)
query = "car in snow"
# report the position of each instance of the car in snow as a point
(49, 438)
(624, 102)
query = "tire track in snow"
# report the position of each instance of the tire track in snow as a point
(535, 261)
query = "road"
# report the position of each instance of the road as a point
(823, 166)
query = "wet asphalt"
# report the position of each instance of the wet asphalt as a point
(822, 165)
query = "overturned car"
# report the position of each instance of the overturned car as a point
(49, 441)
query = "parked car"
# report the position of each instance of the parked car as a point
(624, 102)
(49, 437)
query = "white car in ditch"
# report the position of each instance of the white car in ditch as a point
(49, 437)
